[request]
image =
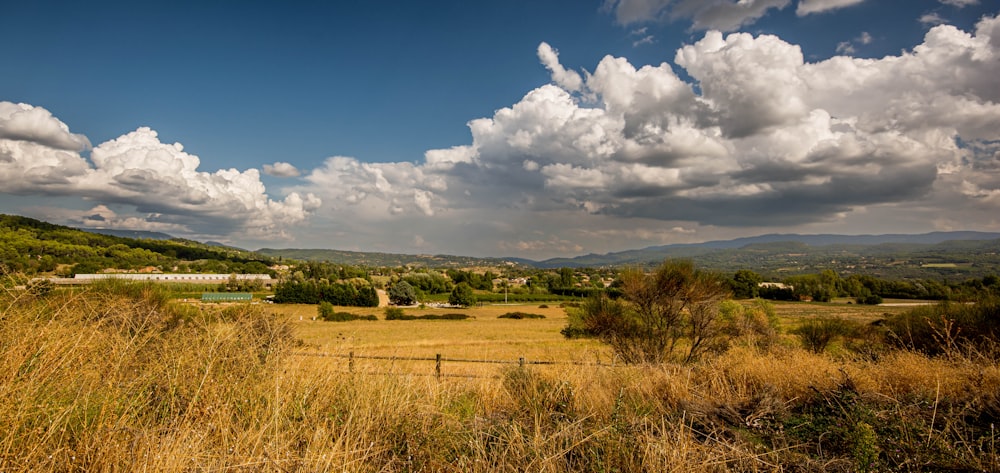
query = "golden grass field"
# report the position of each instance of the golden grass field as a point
(120, 378)
(485, 336)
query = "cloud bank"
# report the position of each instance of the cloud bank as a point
(760, 138)
(158, 182)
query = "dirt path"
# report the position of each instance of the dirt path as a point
(383, 298)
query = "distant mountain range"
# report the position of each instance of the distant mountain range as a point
(778, 240)
(774, 242)
(953, 256)
(948, 255)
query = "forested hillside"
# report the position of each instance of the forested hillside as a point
(32, 246)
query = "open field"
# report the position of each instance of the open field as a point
(121, 378)
(483, 335)
(486, 336)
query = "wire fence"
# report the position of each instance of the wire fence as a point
(439, 360)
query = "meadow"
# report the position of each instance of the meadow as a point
(123, 378)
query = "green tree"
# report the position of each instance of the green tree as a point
(402, 293)
(746, 284)
(566, 278)
(462, 295)
(325, 311)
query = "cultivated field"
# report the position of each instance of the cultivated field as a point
(119, 378)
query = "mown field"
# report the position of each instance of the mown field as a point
(123, 378)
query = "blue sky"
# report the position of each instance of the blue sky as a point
(523, 128)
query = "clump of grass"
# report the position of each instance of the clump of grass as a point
(326, 312)
(816, 334)
(517, 315)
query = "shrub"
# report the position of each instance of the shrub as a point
(756, 325)
(655, 311)
(816, 334)
(394, 313)
(948, 328)
(870, 299)
(325, 312)
(520, 315)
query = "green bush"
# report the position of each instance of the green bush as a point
(870, 299)
(948, 327)
(816, 334)
(394, 313)
(520, 315)
(756, 325)
(325, 312)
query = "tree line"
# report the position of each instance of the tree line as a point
(314, 292)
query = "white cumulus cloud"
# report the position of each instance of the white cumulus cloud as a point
(23, 122)
(39, 156)
(281, 169)
(569, 80)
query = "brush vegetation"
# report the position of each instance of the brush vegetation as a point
(117, 377)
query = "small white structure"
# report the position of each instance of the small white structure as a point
(175, 277)
(776, 285)
(265, 279)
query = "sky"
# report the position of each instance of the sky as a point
(527, 128)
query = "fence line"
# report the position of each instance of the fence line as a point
(438, 360)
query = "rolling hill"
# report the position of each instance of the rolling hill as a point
(39, 246)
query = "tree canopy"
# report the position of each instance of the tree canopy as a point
(402, 293)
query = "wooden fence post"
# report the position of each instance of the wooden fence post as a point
(437, 365)
(350, 362)
(520, 362)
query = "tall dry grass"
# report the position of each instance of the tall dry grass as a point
(116, 378)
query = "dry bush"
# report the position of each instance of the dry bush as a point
(675, 303)
(952, 329)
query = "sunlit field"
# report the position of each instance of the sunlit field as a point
(122, 378)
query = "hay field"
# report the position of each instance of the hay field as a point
(483, 337)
